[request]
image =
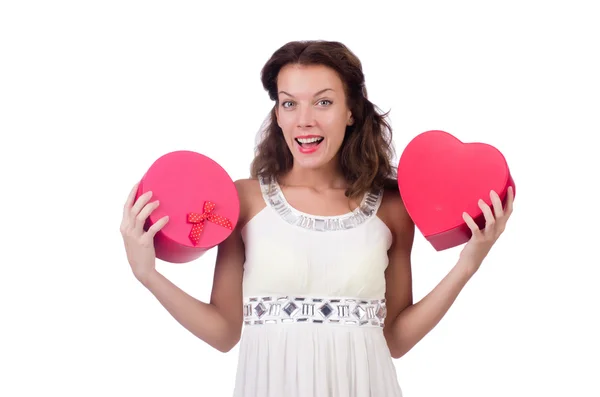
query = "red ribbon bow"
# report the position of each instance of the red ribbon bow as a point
(206, 215)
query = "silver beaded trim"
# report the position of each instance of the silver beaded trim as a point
(273, 196)
(342, 311)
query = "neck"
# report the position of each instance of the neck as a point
(327, 177)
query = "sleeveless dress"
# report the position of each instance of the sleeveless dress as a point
(314, 303)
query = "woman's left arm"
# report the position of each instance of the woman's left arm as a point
(407, 322)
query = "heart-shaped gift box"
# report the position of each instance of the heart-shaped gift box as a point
(440, 177)
(200, 199)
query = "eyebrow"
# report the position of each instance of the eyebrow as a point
(317, 94)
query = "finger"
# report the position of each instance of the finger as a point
(131, 198)
(140, 219)
(497, 204)
(471, 223)
(510, 199)
(157, 226)
(140, 203)
(487, 213)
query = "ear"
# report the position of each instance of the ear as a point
(350, 119)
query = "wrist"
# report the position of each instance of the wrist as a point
(468, 266)
(147, 279)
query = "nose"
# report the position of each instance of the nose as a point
(306, 116)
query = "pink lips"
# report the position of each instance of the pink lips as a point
(309, 148)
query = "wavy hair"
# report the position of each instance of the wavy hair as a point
(367, 149)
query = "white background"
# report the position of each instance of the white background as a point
(91, 93)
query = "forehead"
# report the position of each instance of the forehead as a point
(308, 79)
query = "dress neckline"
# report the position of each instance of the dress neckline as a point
(275, 198)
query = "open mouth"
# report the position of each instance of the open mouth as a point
(309, 143)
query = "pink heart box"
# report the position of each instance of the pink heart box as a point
(200, 199)
(440, 177)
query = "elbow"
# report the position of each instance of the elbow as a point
(227, 343)
(222, 342)
(394, 345)
(396, 353)
(397, 349)
(226, 347)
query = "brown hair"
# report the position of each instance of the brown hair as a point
(367, 149)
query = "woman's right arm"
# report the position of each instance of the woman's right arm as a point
(217, 323)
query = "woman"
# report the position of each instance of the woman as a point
(318, 268)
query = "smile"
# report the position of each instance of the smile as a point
(307, 141)
(308, 144)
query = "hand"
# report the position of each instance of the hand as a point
(482, 240)
(139, 244)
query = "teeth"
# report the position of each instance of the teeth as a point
(308, 140)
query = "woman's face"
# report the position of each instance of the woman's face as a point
(312, 113)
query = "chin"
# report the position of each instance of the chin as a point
(309, 163)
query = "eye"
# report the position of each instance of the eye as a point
(286, 104)
(324, 102)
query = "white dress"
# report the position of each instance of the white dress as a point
(314, 304)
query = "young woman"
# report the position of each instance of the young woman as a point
(318, 269)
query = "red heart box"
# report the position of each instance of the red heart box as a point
(200, 199)
(440, 177)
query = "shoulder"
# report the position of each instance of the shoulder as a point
(247, 186)
(393, 213)
(251, 200)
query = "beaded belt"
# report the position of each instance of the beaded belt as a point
(344, 311)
